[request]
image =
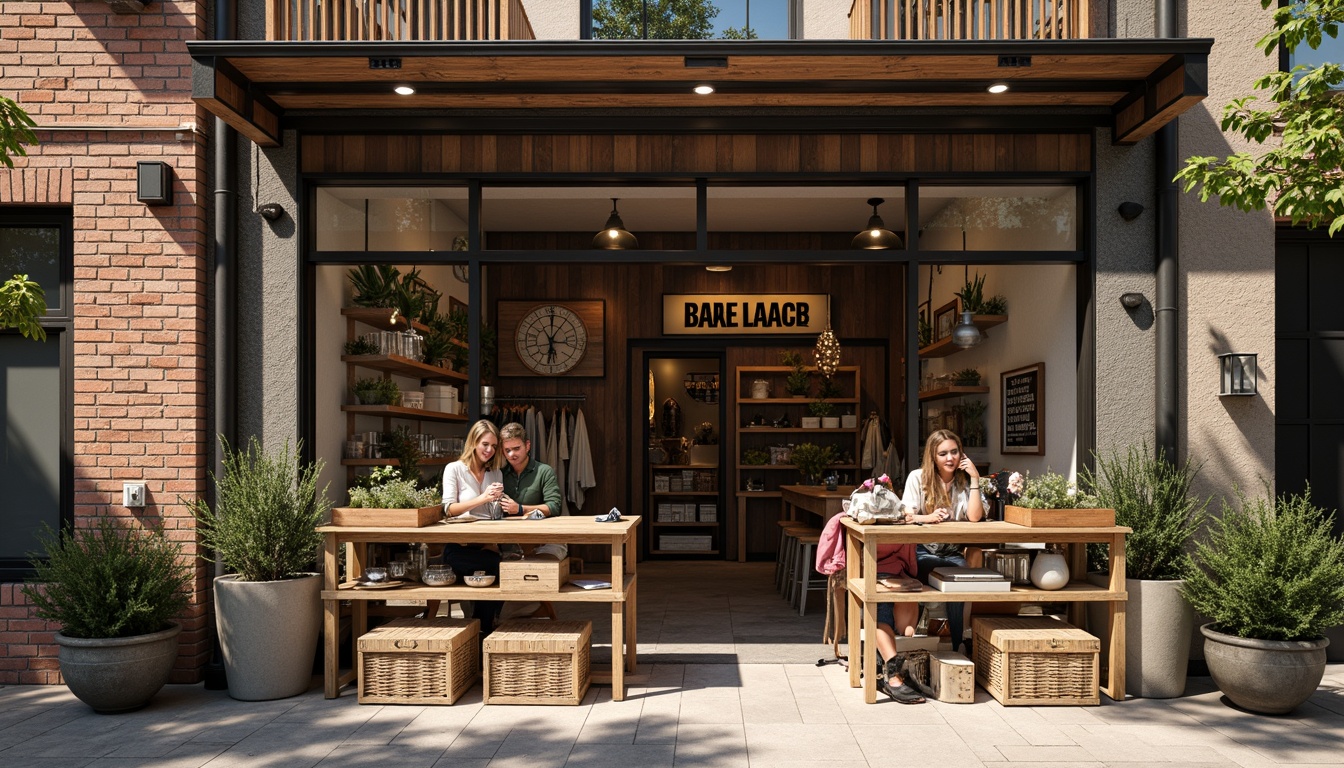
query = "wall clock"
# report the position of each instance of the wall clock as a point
(551, 338)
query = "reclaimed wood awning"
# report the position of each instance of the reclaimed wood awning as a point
(1132, 86)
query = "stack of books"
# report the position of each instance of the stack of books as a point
(948, 579)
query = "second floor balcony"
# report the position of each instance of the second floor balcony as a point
(969, 20)
(398, 20)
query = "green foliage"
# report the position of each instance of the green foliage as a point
(375, 285)
(1152, 497)
(736, 33)
(111, 580)
(995, 305)
(1054, 491)
(967, 377)
(401, 445)
(267, 509)
(1300, 175)
(820, 408)
(798, 381)
(972, 294)
(387, 490)
(829, 388)
(1270, 571)
(925, 332)
(755, 456)
(667, 20)
(377, 390)
(16, 129)
(22, 305)
(811, 459)
(360, 346)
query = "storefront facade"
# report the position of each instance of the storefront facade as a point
(506, 141)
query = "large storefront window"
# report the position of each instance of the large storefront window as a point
(692, 19)
(999, 218)
(568, 218)
(34, 454)
(798, 218)
(391, 219)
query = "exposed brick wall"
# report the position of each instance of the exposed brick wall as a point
(140, 272)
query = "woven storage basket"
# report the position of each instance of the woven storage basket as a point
(1035, 661)
(538, 662)
(418, 661)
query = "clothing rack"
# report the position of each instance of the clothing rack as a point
(523, 399)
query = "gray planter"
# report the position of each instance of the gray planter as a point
(1158, 625)
(268, 634)
(118, 674)
(1267, 676)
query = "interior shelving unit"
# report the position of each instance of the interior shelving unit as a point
(681, 512)
(845, 440)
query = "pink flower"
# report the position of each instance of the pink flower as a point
(884, 480)
(868, 484)
(1015, 483)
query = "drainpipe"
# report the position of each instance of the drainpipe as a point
(1168, 264)
(225, 294)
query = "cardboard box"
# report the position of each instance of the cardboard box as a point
(952, 677)
(540, 574)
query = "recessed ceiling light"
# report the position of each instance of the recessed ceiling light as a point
(998, 88)
(719, 268)
(404, 90)
(704, 90)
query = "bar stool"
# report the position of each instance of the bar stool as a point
(788, 540)
(805, 563)
(783, 552)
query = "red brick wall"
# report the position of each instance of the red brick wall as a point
(140, 271)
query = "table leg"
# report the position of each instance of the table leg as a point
(331, 669)
(869, 653)
(1116, 677)
(852, 637)
(631, 629)
(617, 651)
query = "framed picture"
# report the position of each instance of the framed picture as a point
(1022, 410)
(944, 320)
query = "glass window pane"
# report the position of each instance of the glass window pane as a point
(1330, 51)
(699, 20)
(36, 252)
(568, 218)
(1016, 218)
(391, 218)
(30, 465)
(818, 217)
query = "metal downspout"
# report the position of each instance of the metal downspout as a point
(1167, 368)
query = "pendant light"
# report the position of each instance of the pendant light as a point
(876, 236)
(828, 348)
(614, 236)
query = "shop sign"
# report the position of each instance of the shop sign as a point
(743, 313)
(1023, 410)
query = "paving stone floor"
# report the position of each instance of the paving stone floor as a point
(727, 678)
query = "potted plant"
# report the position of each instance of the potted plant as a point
(114, 589)
(966, 377)
(973, 300)
(376, 390)
(264, 528)
(1051, 501)
(817, 411)
(1153, 498)
(797, 382)
(385, 498)
(1270, 575)
(811, 460)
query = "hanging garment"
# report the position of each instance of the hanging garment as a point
(561, 467)
(539, 441)
(872, 444)
(581, 464)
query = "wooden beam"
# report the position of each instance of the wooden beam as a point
(225, 93)
(1163, 96)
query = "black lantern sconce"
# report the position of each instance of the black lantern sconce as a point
(1237, 373)
(153, 182)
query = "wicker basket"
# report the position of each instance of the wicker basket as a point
(538, 662)
(1035, 661)
(418, 661)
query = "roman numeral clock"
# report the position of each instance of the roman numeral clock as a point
(552, 338)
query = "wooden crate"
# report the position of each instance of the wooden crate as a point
(952, 677)
(387, 518)
(1034, 661)
(418, 661)
(533, 574)
(1059, 518)
(531, 661)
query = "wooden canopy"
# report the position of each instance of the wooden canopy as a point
(1132, 86)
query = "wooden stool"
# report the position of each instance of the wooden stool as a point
(788, 539)
(804, 562)
(781, 553)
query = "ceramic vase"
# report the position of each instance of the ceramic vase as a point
(1050, 570)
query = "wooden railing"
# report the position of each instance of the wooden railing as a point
(358, 20)
(969, 20)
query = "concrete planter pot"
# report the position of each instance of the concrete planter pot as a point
(268, 634)
(1158, 625)
(118, 674)
(1267, 676)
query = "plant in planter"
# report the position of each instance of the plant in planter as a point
(385, 492)
(1154, 498)
(374, 285)
(377, 390)
(811, 460)
(972, 295)
(360, 346)
(264, 528)
(820, 408)
(1270, 575)
(1051, 500)
(966, 377)
(114, 590)
(797, 382)
(755, 456)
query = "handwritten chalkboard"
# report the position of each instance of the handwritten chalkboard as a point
(1023, 409)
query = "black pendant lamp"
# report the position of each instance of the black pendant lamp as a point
(614, 236)
(877, 236)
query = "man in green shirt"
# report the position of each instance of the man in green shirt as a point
(529, 486)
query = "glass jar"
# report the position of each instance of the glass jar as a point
(439, 576)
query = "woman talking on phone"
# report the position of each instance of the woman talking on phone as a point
(946, 487)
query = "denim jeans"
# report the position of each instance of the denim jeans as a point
(956, 611)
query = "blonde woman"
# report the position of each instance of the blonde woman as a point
(473, 485)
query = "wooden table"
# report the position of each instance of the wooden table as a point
(620, 536)
(864, 594)
(811, 498)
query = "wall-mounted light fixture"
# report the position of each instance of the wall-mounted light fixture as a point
(1131, 300)
(153, 182)
(1130, 211)
(271, 211)
(1238, 373)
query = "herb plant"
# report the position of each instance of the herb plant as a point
(755, 456)
(360, 346)
(387, 490)
(1054, 491)
(110, 580)
(797, 382)
(820, 408)
(811, 459)
(377, 390)
(967, 377)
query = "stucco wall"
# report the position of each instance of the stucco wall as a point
(553, 19)
(826, 19)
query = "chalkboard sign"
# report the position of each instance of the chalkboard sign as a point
(1023, 409)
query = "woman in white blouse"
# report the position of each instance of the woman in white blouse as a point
(474, 484)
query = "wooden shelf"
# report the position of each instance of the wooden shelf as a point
(779, 430)
(683, 552)
(404, 366)
(714, 524)
(684, 493)
(760, 494)
(684, 466)
(943, 393)
(426, 462)
(400, 412)
(793, 400)
(790, 466)
(1074, 591)
(944, 346)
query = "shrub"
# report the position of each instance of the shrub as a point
(389, 491)
(267, 509)
(1153, 498)
(111, 580)
(797, 382)
(1054, 491)
(1270, 571)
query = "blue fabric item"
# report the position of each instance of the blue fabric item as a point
(614, 516)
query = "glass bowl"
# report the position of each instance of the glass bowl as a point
(375, 575)
(439, 576)
(479, 579)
